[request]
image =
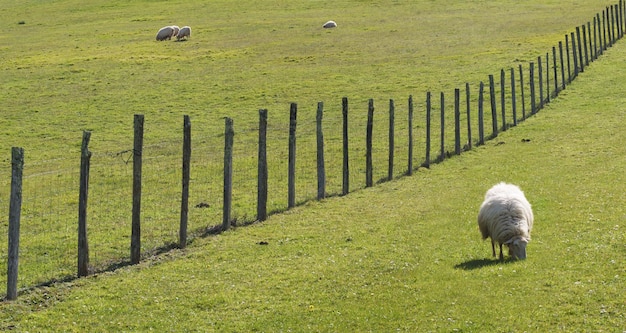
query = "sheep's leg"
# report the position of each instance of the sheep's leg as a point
(493, 248)
(501, 255)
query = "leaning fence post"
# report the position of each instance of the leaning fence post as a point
(83, 195)
(321, 171)
(261, 207)
(184, 203)
(368, 145)
(135, 239)
(229, 133)
(291, 179)
(15, 208)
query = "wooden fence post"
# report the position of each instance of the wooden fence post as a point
(391, 139)
(291, 195)
(590, 41)
(547, 78)
(481, 114)
(569, 67)
(540, 75)
(562, 65)
(521, 85)
(410, 157)
(595, 38)
(502, 99)
(621, 18)
(513, 97)
(533, 105)
(321, 170)
(603, 39)
(83, 195)
(469, 120)
(428, 106)
(556, 73)
(494, 115)
(442, 129)
(457, 121)
(229, 134)
(574, 55)
(580, 50)
(135, 239)
(261, 206)
(15, 209)
(585, 44)
(345, 187)
(184, 202)
(368, 145)
(612, 30)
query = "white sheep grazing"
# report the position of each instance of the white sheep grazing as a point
(330, 24)
(507, 217)
(185, 32)
(176, 30)
(165, 33)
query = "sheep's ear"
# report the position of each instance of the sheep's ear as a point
(508, 242)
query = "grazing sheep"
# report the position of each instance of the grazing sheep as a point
(330, 24)
(165, 33)
(185, 32)
(506, 216)
(176, 30)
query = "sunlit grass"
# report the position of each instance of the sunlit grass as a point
(95, 66)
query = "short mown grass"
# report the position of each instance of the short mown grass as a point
(405, 255)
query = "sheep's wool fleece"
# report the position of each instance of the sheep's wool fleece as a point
(505, 214)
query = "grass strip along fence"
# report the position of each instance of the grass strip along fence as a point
(547, 77)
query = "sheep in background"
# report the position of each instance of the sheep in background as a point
(165, 33)
(176, 30)
(185, 32)
(506, 216)
(330, 24)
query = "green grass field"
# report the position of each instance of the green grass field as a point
(405, 255)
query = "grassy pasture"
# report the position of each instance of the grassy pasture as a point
(73, 66)
(402, 256)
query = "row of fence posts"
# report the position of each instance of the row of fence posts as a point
(605, 33)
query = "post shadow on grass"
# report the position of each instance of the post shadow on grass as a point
(480, 263)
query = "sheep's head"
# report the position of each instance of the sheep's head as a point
(517, 247)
